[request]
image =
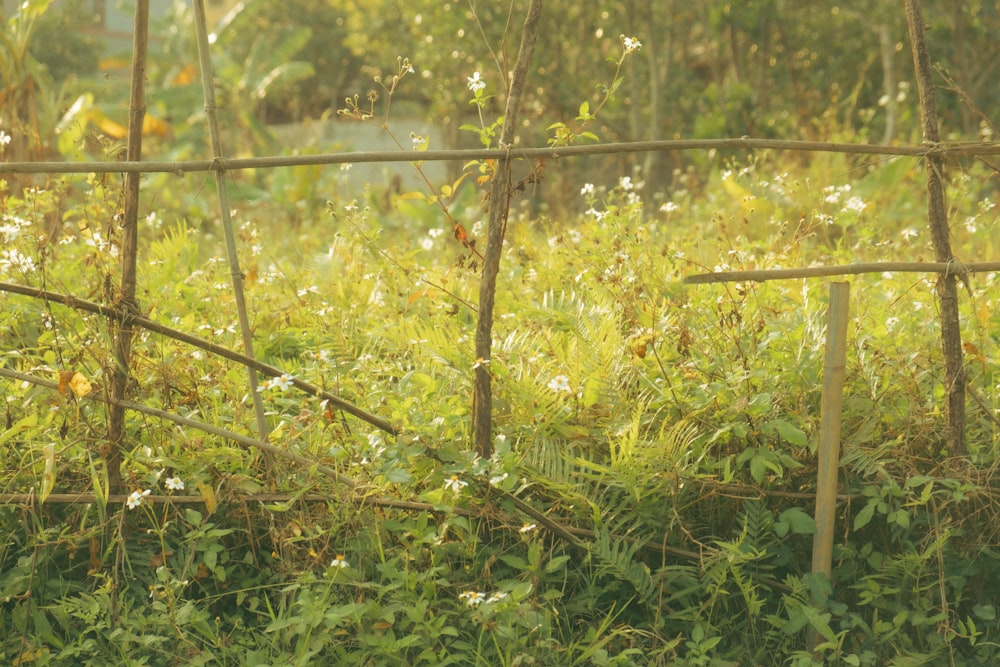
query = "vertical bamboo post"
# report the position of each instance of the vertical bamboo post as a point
(126, 302)
(207, 78)
(937, 218)
(834, 366)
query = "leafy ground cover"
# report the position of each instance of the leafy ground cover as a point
(648, 501)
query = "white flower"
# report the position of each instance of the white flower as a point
(856, 204)
(560, 383)
(174, 483)
(475, 82)
(598, 215)
(339, 562)
(473, 598)
(455, 484)
(527, 528)
(496, 597)
(498, 479)
(908, 233)
(669, 207)
(4, 138)
(631, 44)
(587, 189)
(135, 498)
(282, 382)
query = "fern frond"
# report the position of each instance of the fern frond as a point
(617, 557)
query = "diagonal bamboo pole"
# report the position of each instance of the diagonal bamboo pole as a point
(937, 217)
(126, 303)
(207, 77)
(332, 399)
(482, 397)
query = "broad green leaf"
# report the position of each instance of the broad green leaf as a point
(798, 520)
(864, 516)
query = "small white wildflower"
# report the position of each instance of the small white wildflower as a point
(669, 207)
(455, 484)
(473, 598)
(598, 215)
(527, 528)
(135, 498)
(908, 233)
(587, 189)
(855, 204)
(476, 82)
(496, 480)
(4, 138)
(174, 483)
(631, 44)
(283, 382)
(339, 562)
(560, 383)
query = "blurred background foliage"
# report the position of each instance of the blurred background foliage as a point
(762, 68)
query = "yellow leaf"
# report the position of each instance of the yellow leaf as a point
(80, 385)
(208, 495)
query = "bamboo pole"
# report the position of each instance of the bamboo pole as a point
(834, 367)
(334, 400)
(946, 150)
(236, 275)
(761, 275)
(126, 304)
(500, 190)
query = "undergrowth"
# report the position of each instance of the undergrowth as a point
(648, 501)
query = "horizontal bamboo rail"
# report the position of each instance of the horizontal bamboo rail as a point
(180, 167)
(760, 275)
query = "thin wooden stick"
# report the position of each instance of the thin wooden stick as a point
(180, 167)
(937, 219)
(121, 356)
(500, 190)
(953, 268)
(236, 275)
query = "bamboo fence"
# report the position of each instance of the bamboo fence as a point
(934, 153)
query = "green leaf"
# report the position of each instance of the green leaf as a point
(865, 515)
(788, 432)
(798, 520)
(556, 564)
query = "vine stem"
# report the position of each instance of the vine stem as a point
(500, 190)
